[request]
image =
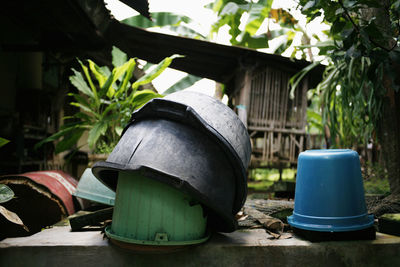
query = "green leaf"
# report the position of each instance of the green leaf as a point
(79, 82)
(257, 15)
(3, 141)
(81, 100)
(97, 72)
(166, 20)
(374, 32)
(127, 77)
(308, 5)
(283, 45)
(148, 77)
(183, 83)
(182, 30)
(118, 57)
(216, 6)
(339, 11)
(65, 131)
(159, 19)
(230, 9)
(56, 136)
(338, 26)
(117, 72)
(6, 193)
(352, 52)
(82, 116)
(105, 70)
(298, 77)
(139, 21)
(85, 108)
(99, 129)
(89, 79)
(142, 97)
(119, 130)
(69, 141)
(109, 108)
(254, 42)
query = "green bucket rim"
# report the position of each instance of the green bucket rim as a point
(114, 236)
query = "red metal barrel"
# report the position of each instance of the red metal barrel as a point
(42, 198)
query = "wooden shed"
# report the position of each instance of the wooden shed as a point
(275, 121)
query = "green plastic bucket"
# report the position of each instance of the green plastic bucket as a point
(148, 212)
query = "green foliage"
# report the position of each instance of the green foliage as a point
(232, 13)
(375, 179)
(171, 21)
(105, 100)
(6, 193)
(183, 83)
(360, 54)
(3, 141)
(262, 179)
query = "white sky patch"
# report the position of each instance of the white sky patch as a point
(119, 10)
(168, 78)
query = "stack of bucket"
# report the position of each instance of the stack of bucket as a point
(179, 168)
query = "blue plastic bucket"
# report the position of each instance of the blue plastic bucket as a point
(329, 195)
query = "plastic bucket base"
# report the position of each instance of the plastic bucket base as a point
(148, 212)
(144, 244)
(314, 236)
(331, 224)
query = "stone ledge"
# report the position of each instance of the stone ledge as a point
(59, 246)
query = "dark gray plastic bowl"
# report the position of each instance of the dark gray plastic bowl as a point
(181, 156)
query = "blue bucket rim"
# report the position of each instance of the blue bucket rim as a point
(331, 224)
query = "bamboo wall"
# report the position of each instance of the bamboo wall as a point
(276, 123)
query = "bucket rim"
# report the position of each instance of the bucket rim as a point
(331, 224)
(117, 237)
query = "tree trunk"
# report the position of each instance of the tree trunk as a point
(389, 124)
(389, 138)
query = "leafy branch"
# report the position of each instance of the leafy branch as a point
(346, 12)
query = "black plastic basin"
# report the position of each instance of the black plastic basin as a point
(181, 156)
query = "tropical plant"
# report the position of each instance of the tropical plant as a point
(360, 87)
(105, 100)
